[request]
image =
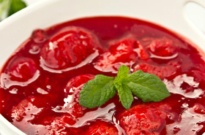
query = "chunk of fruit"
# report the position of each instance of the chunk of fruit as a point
(25, 110)
(149, 119)
(160, 46)
(71, 101)
(39, 36)
(75, 84)
(21, 69)
(73, 89)
(101, 128)
(69, 48)
(198, 73)
(124, 51)
(199, 108)
(60, 126)
(162, 71)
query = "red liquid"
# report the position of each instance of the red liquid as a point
(40, 83)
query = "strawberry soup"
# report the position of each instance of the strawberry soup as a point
(41, 82)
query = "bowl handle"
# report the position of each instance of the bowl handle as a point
(183, 26)
(200, 2)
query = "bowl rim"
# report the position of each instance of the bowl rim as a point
(21, 24)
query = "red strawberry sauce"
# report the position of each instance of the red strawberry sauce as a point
(40, 83)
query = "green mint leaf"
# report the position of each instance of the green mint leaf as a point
(147, 87)
(124, 92)
(122, 73)
(16, 5)
(98, 91)
(125, 95)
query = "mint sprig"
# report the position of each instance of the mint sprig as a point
(147, 87)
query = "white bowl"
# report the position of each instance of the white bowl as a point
(17, 28)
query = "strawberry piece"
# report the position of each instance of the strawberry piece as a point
(69, 48)
(18, 112)
(163, 71)
(24, 110)
(27, 111)
(160, 46)
(77, 82)
(199, 108)
(149, 119)
(39, 36)
(59, 126)
(71, 109)
(101, 128)
(124, 51)
(73, 87)
(198, 73)
(21, 69)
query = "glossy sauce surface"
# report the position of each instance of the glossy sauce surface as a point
(40, 83)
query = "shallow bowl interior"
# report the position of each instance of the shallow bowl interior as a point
(15, 29)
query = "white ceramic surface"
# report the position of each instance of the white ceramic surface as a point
(15, 29)
(29, 2)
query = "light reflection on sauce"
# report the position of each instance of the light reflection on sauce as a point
(175, 86)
